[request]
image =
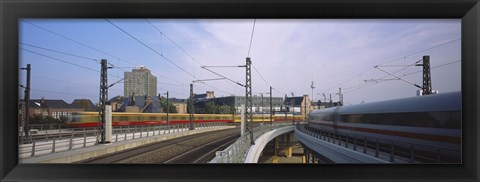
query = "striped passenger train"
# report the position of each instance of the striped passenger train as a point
(431, 121)
(90, 119)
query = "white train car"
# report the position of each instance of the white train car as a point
(433, 121)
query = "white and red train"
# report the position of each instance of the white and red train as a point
(433, 121)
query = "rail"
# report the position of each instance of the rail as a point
(64, 139)
(381, 148)
(237, 152)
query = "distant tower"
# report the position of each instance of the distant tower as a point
(313, 87)
(140, 82)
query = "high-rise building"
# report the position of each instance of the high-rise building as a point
(140, 82)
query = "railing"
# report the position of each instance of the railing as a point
(237, 152)
(51, 141)
(385, 149)
(47, 129)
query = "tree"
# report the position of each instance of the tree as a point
(224, 109)
(63, 119)
(210, 108)
(172, 107)
(36, 119)
(39, 119)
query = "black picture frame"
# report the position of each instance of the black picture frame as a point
(466, 10)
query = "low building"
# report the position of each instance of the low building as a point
(86, 104)
(205, 96)
(323, 105)
(54, 108)
(143, 104)
(298, 105)
(180, 104)
(259, 105)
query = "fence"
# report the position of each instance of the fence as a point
(381, 148)
(237, 152)
(63, 139)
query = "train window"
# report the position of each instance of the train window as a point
(450, 120)
(326, 117)
(123, 118)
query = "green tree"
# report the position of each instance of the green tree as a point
(39, 119)
(51, 120)
(63, 119)
(211, 108)
(224, 109)
(36, 119)
(172, 107)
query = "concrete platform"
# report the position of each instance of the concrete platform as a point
(98, 150)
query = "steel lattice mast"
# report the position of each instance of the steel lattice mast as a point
(191, 108)
(427, 80)
(248, 98)
(102, 101)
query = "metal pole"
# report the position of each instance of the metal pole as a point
(271, 107)
(248, 97)
(324, 98)
(192, 108)
(331, 100)
(263, 122)
(313, 87)
(293, 109)
(427, 81)
(102, 100)
(27, 101)
(168, 111)
(305, 108)
(340, 96)
(233, 111)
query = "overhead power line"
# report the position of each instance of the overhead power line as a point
(260, 75)
(59, 60)
(205, 67)
(95, 49)
(70, 54)
(394, 59)
(83, 57)
(224, 91)
(172, 92)
(423, 50)
(445, 64)
(40, 54)
(279, 91)
(77, 42)
(174, 43)
(251, 37)
(184, 51)
(150, 48)
(57, 92)
(373, 83)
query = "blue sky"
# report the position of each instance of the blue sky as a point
(288, 54)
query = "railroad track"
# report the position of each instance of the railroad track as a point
(198, 148)
(204, 153)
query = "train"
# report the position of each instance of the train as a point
(90, 119)
(429, 121)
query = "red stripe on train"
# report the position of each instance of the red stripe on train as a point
(439, 138)
(126, 123)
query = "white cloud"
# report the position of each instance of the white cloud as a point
(287, 52)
